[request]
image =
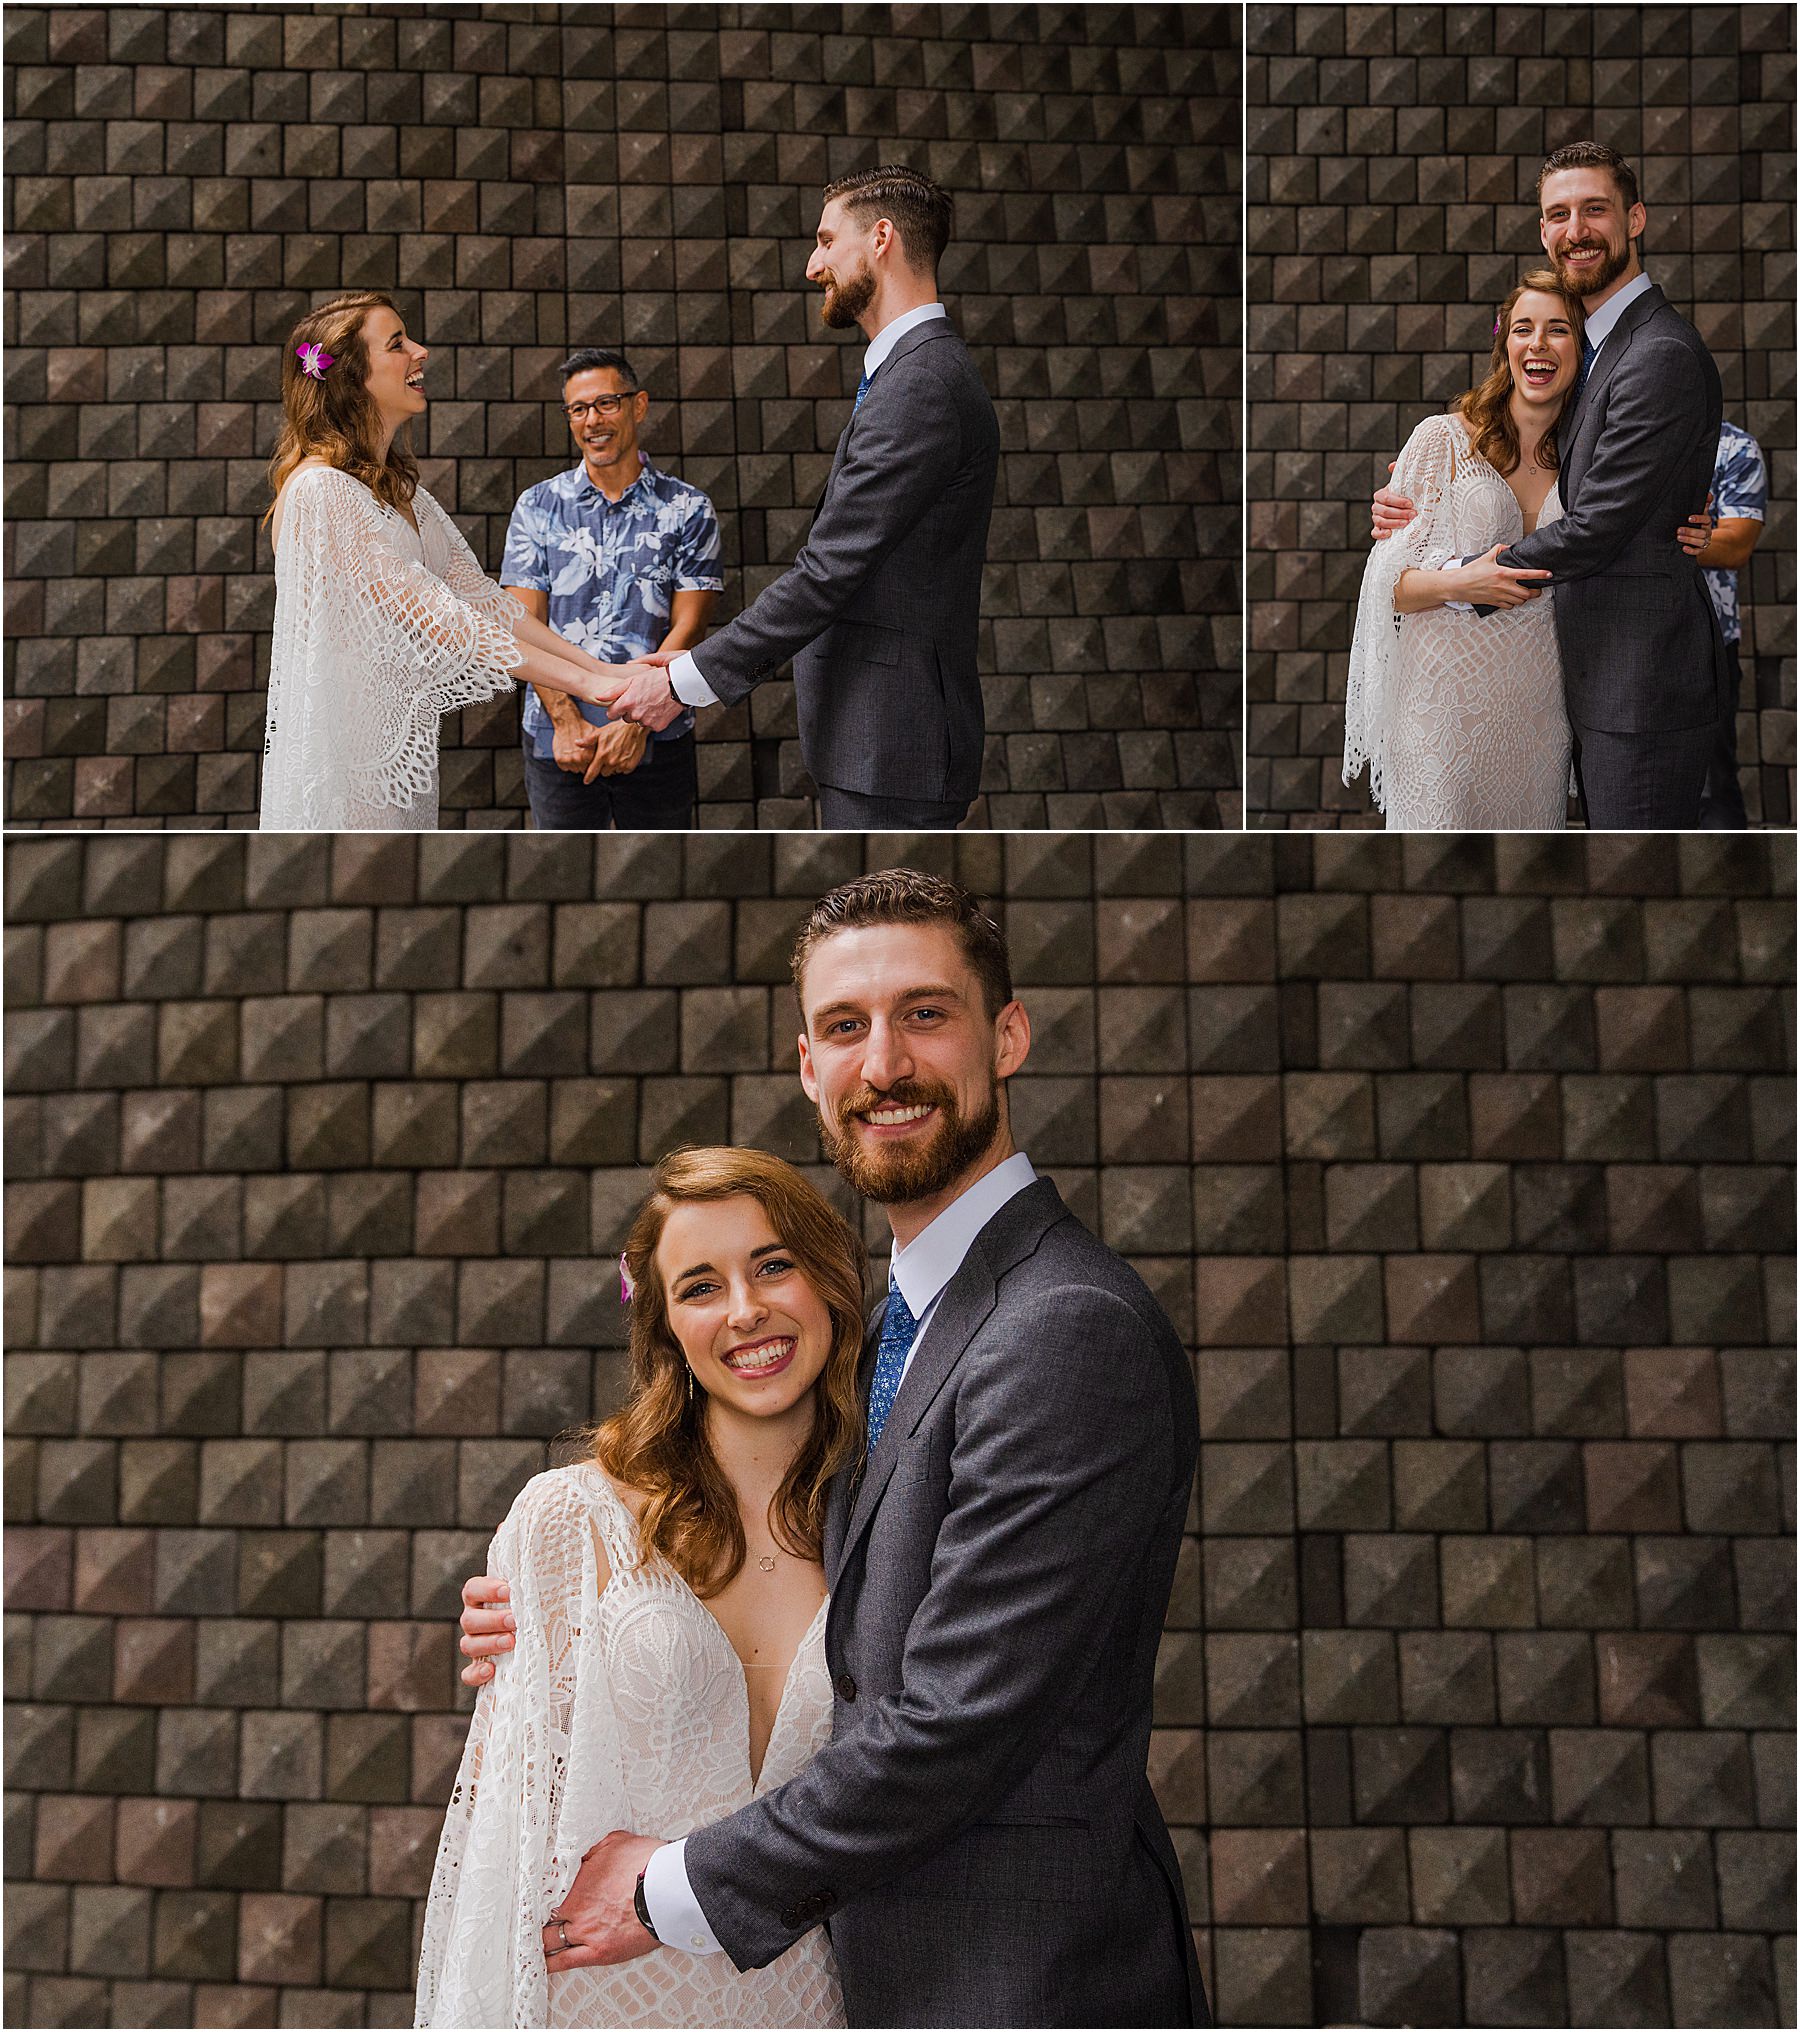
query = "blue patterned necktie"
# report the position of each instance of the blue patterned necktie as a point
(862, 389)
(898, 1331)
(1588, 350)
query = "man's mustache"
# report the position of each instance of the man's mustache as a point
(908, 1094)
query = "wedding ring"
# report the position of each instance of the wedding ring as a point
(563, 1935)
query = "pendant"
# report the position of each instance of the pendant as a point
(766, 1563)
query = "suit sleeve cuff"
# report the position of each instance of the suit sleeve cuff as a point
(674, 1910)
(692, 690)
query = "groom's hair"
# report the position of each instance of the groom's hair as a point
(586, 358)
(1592, 155)
(917, 206)
(905, 896)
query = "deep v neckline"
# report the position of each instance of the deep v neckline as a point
(753, 1771)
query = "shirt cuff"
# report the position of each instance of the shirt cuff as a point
(1456, 564)
(688, 685)
(669, 1898)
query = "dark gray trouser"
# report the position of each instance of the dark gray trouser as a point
(1643, 782)
(850, 811)
(1722, 804)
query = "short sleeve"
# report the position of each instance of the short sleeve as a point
(526, 561)
(697, 553)
(1740, 481)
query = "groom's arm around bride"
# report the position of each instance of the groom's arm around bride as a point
(880, 610)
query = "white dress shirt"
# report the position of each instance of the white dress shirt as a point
(922, 1269)
(684, 673)
(1601, 322)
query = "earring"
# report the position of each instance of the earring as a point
(692, 1392)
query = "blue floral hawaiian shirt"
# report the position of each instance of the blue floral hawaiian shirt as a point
(611, 569)
(1740, 490)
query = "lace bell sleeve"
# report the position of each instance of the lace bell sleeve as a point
(371, 649)
(1423, 475)
(543, 1740)
(448, 553)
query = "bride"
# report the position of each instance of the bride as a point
(1459, 718)
(384, 621)
(669, 1602)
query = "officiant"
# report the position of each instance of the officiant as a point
(613, 550)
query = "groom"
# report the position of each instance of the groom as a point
(979, 1834)
(880, 611)
(1644, 667)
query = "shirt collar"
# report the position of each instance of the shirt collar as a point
(890, 335)
(928, 1262)
(583, 479)
(1614, 308)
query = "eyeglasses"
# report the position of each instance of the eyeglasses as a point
(604, 405)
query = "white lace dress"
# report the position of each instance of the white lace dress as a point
(379, 631)
(1459, 718)
(622, 1709)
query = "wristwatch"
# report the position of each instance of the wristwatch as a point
(640, 1906)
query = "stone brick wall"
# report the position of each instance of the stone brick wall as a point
(1464, 1166)
(183, 182)
(1393, 159)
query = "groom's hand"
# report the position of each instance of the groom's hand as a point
(598, 1913)
(487, 1626)
(1389, 512)
(645, 697)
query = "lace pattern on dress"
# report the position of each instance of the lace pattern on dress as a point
(617, 1709)
(378, 634)
(1458, 717)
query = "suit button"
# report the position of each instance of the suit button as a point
(846, 1686)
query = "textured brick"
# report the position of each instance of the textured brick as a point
(1485, 1556)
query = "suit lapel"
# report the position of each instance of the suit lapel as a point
(1606, 365)
(931, 328)
(844, 1484)
(961, 1312)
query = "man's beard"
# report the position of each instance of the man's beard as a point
(845, 302)
(922, 1168)
(1612, 266)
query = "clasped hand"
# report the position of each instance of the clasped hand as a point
(589, 751)
(643, 695)
(1484, 582)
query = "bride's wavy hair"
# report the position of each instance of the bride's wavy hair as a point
(1487, 410)
(335, 418)
(657, 1444)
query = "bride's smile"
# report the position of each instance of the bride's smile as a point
(1542, 350)
(753, 1329)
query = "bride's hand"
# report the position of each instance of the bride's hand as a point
(1486, 583)
(485, 1630)
(1696, 532)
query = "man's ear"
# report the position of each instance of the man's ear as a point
(1012, 1040)
(809, 1079)
(1635, 221)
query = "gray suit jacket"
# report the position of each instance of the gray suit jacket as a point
(1640, 643)
(980, 1831)
(880, 610)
